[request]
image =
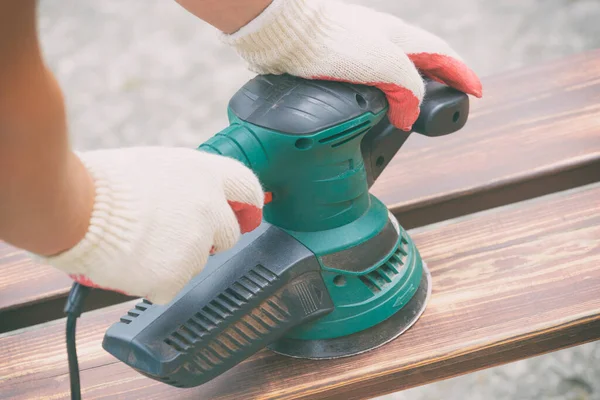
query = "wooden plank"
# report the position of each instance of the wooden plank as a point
(508, 283)
(536, 131)
(31, 293)
(23, 285)
(20, 279)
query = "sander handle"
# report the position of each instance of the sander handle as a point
(444, 110)
(245, 299)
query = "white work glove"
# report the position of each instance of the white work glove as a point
(331, 40)
(158, 214)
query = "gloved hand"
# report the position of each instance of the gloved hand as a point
(158, 214)
(331, 40)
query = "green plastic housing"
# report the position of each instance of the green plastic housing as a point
(321, 197)
(318, 180)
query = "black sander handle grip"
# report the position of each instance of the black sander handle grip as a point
(245, 299)
(444, 110)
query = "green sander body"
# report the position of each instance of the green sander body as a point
(329, 273)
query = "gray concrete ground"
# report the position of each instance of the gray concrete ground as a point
(141, 72)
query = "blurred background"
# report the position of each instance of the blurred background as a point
(145, 72)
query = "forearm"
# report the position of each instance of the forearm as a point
(226, 15)
(44, 191)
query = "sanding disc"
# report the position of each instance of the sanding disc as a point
(363, 341)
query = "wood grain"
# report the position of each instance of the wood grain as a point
(31, 293)
(508, 283)
(536, 131)
(22, 282)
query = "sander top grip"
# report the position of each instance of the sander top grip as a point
(322, 144)
(295, 106)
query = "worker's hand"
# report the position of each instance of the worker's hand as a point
(331, 40)
(158, 214)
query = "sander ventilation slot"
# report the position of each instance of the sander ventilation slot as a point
(136, 311)
(255, 323)
(348, 134)
(383, 276)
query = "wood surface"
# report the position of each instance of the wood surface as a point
(536, 131)
(508, 283)
(31, 293)
(23, 284)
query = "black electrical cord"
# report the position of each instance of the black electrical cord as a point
(73, 309)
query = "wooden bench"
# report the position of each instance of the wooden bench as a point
(508, 283)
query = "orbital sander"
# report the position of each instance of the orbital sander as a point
(329, 273)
